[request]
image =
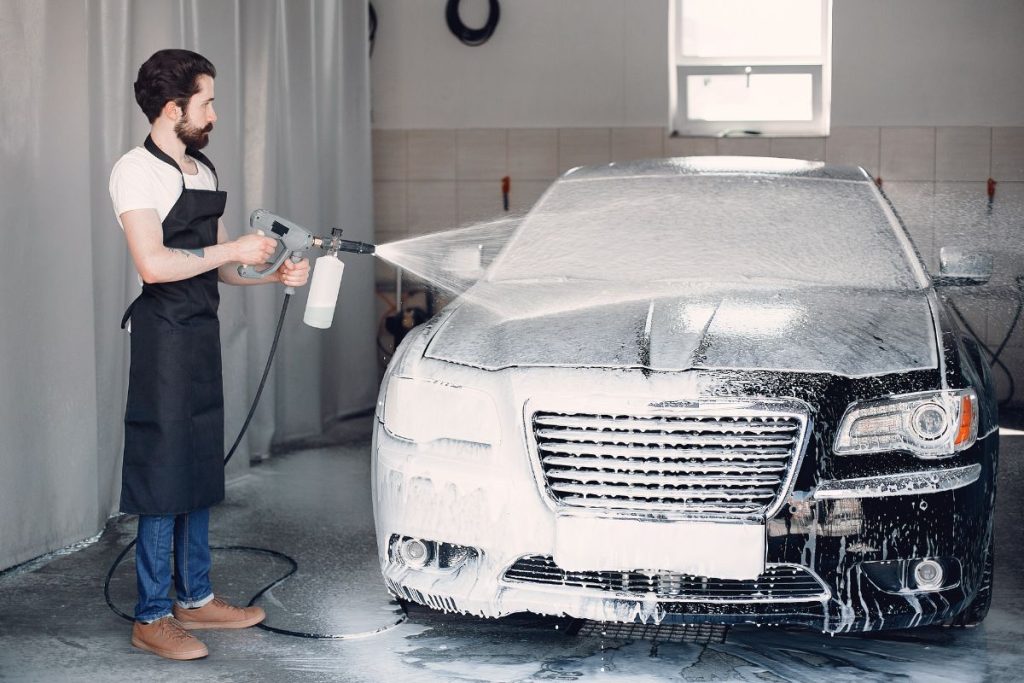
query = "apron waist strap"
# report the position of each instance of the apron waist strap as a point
(128, 312)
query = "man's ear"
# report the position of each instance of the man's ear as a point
(171, 111)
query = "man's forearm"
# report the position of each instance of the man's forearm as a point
(172, 264)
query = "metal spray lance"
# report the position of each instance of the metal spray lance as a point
(294, 241)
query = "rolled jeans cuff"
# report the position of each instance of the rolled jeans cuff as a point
(150, 620)
(192, 604)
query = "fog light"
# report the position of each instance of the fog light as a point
(414, 552)
(928, 575)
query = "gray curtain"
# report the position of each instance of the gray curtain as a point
(293, 136)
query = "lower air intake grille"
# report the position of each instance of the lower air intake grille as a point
(779, 583)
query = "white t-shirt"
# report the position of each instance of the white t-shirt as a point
(141, 181)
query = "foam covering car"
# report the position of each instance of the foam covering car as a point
(697, 390)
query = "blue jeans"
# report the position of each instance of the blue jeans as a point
(189, 534)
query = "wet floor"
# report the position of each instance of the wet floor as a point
(314, 505)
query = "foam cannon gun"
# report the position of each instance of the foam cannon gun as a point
(293, 241)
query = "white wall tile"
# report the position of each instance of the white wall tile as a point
(1008, 154)
(962, 153)
(812, 149)
(914, 202)
(479, 201)
(629, 144)
(431, 206)
(960, 216)
(525, 193)
(383, 275)
(908, 153)
(854, 146)
(690, 147)
(431, 155)
(1013, 358)
(1001, 312)
(583, 147)
(481, 154)
(974, 305)
(389, 154)
(1008, 215)
(533, 153)
(389, 211)
(744, 147)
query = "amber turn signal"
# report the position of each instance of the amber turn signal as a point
(966, 420)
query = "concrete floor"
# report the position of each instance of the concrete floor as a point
(314, 505)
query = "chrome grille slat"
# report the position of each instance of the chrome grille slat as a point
(623, 464)
(650, 480)
(665, 493)
(663, 440)
(778, 582)
(717, 507)
(661, 424)
(691, 461)
(613, 450)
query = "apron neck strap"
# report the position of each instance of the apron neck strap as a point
(152, 148)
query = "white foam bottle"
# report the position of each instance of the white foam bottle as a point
(323, 291)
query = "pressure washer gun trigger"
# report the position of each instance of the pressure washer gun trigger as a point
(293, 240)
(254, 273)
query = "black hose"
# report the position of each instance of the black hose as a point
(263, 379)
(274, 553)
(472, 36)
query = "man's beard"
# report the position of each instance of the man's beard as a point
(196, 138)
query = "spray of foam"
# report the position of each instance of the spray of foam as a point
(452, 260)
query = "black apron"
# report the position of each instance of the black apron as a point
(174, 420)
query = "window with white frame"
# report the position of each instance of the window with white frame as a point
(752, 67)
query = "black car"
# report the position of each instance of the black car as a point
(700, 390)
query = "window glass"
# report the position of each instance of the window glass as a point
(751, 28)
(765, 97)
(723, 229)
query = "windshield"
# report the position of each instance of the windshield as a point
(729, 229)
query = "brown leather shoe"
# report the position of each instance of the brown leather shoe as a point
(167, 638)
(219, 614)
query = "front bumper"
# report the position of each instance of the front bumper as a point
(468, 497)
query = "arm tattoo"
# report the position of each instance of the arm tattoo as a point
(188, 253)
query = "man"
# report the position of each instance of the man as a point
(166, 198)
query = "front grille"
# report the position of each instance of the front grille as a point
(778, 583)
(737, 463)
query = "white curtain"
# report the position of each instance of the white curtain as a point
(293, 136)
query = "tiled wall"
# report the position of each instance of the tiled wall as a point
(428, 180)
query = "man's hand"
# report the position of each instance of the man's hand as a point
(294, 274)
(254, 250)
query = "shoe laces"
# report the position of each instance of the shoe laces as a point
(225, 605)
(172, 628)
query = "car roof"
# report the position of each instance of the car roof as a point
(719, 165)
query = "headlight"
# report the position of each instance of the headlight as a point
(929, 425)
(422, 411)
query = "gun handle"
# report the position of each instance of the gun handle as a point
(253, 273)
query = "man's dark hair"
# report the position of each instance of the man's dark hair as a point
(170, 76)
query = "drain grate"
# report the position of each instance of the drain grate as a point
(662, 633)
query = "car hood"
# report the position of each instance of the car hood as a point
(809, 329)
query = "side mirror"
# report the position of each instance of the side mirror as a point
(960, 268)
(464, 262)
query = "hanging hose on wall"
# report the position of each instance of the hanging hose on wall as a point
(472, 36)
